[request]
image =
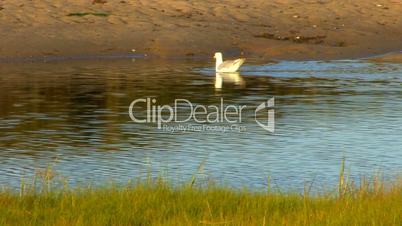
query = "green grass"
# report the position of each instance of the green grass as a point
(156, 202)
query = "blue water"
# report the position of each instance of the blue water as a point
(73, 115)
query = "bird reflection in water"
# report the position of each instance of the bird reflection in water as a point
(232, 78)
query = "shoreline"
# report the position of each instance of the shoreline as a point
(392, 57)
(278, 29)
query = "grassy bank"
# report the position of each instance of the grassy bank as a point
(155, 202)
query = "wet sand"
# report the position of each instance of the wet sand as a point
(277, 29)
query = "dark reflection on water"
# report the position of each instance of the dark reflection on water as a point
(75, 115)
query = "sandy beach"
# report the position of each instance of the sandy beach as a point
(277, 29)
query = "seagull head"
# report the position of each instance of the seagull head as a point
(218, 55)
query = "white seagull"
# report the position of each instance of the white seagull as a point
(228, 65)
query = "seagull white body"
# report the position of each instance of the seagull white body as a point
(228, 65)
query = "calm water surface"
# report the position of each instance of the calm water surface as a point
(74, 115)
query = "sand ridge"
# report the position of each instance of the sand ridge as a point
(281, 29)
